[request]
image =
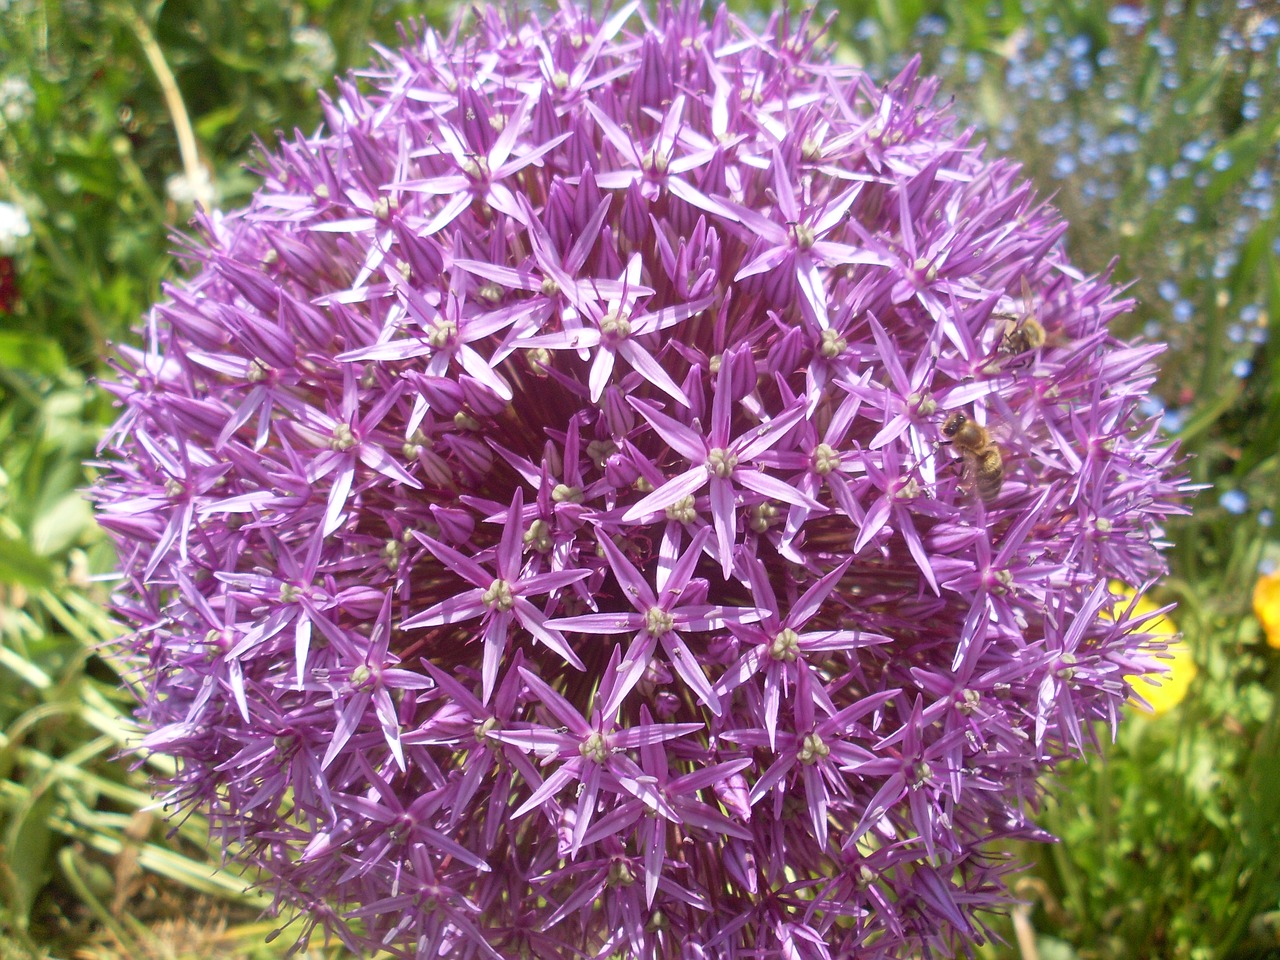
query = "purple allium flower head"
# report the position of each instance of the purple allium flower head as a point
(632, 488)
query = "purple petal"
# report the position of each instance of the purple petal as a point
(495, 642)
(508, 277)
(630, 670)
(533, 620)
(559, 707)
(753, 443)
(456, 609)
(549, 788)
(725, 518)
(644, 364)
(686, 442)
(511, 547)
(601, 370)
(598, 623)
(670, 582)
(463, 566)
(690, 670)
(769, 260)
(675, 489)
(338, 494)
(774, 488)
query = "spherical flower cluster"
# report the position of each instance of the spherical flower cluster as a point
(632, 488)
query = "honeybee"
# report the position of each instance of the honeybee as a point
(984, 463)
(1022, 333)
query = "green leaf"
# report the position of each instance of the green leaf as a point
(20, 564)
(22, 668)
(1210, 413)
(1051, 948)
(61, 525)
(29, 848)
(31, 353)
(213, 123)
(1247, 148)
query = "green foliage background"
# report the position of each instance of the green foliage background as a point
(1171, 843)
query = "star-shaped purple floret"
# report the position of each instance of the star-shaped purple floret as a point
(721, 460)
(499, 598)
(659, 620)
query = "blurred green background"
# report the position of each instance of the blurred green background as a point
(1154, 125)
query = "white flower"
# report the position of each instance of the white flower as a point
(16, 98)
(317, 56)
(14, 225)
(185, 191)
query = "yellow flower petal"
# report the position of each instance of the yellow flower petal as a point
(1173, 685)
(1179, 666)
(1266, 606)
